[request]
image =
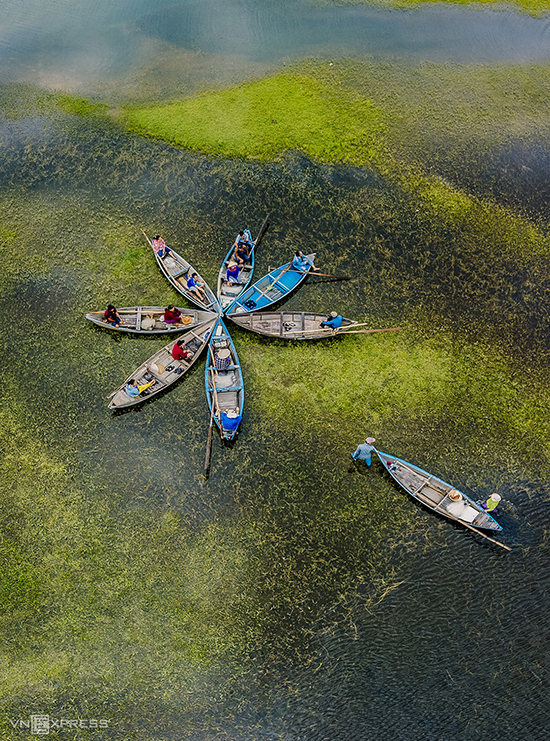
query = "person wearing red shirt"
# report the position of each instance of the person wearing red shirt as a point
(172, 315)
(179, 352)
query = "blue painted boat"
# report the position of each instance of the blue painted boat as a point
(224, 382)
(437, 495)
(228, 291)
(270, 289)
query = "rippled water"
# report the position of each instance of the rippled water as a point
(289, 597)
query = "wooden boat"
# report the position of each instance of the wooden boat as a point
(162, 368)
(177, 270)
(437, 495)
(224, 381)
(227, 293)
(149, 319)
(270, 289)
(288, 325)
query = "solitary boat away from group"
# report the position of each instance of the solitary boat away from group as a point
(437, 495)
(162, 368)
(177, 270)
(149, 319)
(269, 290)
(228, 292)
(289, 325)
(224, 382)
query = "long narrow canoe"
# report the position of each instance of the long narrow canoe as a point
(228, 293)
(289, 325)
(224, 386)
(177, 271)
(162, 368)
(149, 319)
(438, 495)
(270, 289)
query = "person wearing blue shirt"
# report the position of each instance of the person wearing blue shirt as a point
(334, 321)
(364, 450)
(132, 389)
(243, 247)
(230, 421)
(232, 273)
(302, 263)
(194, 284)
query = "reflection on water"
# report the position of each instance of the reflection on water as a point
(81, 45)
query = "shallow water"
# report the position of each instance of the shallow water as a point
(290, 595)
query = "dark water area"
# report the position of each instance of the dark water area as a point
(291, 595)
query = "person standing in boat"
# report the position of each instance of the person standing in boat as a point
(333, 321)
(491, 504)
(302, 263)
(160, 247)
(195, 285)
(364, 450)
(172, 316)
(112, 317)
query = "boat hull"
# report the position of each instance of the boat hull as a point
(166, 370)
(269, 290)
(288, 325)
(224, 388)
(437, 495)
(133, 316)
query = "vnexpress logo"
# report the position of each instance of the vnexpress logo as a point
(41, 725)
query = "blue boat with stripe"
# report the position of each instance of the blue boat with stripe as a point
(269, 290)
(229, 290)
(438, 495)
(224, 382)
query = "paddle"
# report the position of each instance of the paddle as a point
(208, 446)
(329, 275)
(261, 233)
(342, 330)
(470, 527)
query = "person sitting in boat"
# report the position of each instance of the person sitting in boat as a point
(195, 285)
(112, 317)
(232, 273)
(364, 450)
(172, 316)
(333, 321)
(230, 420)
(302, 263)
(160, 247)
(132, 388)
(243, 247)
(179, 352)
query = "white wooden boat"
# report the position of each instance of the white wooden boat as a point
(162, 369)
(149, 319)
(289, 325)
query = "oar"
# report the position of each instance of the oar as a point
(342, 330)
(329, 275)
(507, 548)
(261, 233)
(208, 447)
(370, 331)
(146, 237)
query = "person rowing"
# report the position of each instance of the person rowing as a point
(159, 246)
(302, 263)
(333, 321)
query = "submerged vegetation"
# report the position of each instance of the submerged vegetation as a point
(533, 7)
(132, 587)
